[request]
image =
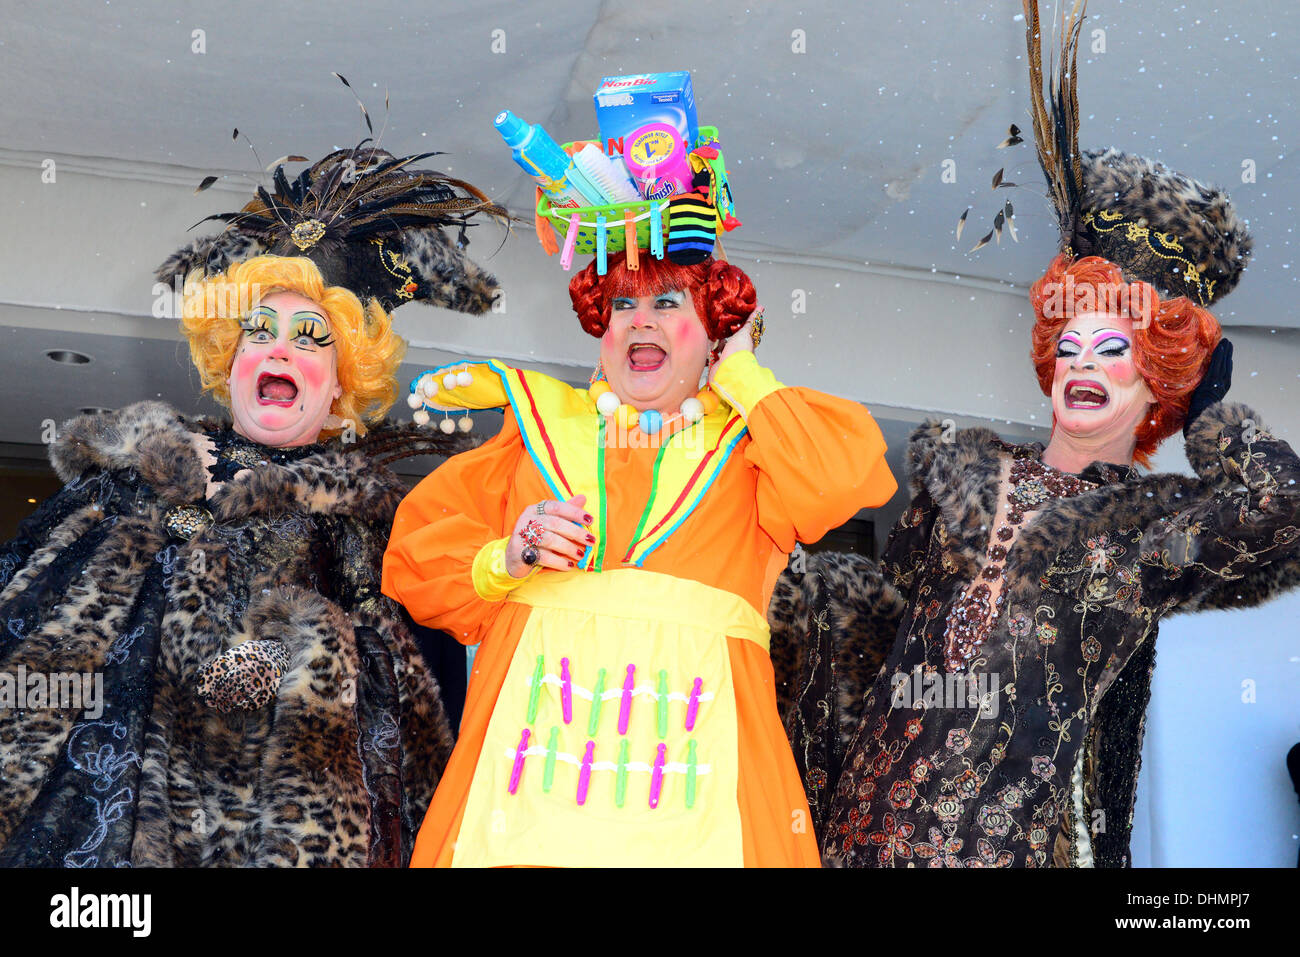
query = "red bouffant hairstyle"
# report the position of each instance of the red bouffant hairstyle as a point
(723, 295)
(1170, 351)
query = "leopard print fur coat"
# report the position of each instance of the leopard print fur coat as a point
(336, 770)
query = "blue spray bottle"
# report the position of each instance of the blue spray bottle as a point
(543, 159)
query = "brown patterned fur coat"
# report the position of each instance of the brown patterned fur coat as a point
(337, 770)
(834, 617)
(1051, 779)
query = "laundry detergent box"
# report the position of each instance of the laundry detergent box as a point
(627, 103)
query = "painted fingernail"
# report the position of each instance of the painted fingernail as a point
(586, 518)
(591, 538)
(572, 565)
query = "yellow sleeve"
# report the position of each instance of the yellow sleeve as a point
(743, 383)
(820, 458)
(492, 580)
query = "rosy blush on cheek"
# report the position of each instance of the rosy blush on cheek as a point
(1062, 370)
(244, 366)
(690, 327)
(315, 371)
(684, 331)
(611, 351)
(1122, 371)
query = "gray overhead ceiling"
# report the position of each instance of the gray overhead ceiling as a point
(835, 152)
(836, 119)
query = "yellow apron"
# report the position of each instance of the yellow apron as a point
(655, 793)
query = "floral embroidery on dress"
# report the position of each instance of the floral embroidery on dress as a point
(1062, 600)
(1030, 485)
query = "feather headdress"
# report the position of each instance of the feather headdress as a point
(1157, 225)
(369, 220)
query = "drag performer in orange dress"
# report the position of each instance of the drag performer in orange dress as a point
(612, 552)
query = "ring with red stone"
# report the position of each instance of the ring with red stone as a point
(532, 533)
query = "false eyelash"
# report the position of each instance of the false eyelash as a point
(251, 326)
(322, 340)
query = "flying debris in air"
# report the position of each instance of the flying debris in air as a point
(291, 158)
(365, 114)
(1005, 218)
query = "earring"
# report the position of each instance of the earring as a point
(598, 374)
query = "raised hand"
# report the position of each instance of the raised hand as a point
(1214, 384)
(743, 339)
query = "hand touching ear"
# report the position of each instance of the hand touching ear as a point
(742, 340)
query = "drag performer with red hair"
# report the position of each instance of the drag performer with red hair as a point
(1172, 341)
(612, 551)
(1028, 582)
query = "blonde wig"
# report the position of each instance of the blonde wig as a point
(367, 349)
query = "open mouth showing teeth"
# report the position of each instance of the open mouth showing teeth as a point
(645, 357)
(1085, 395)
(275, 390)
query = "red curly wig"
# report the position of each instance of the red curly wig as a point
(1170, 351)
(723, 295)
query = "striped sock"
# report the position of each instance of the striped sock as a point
(692, 229)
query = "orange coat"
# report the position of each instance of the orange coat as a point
(809, 462)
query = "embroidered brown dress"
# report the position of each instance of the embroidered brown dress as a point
(1042, 592)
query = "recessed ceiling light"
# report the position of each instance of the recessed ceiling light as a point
(31, 501)
(68, 357)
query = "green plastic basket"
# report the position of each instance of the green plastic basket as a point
(585, 245)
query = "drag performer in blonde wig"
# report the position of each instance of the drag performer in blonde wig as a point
(263, 704)
(368, 351)
(1025, 584)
